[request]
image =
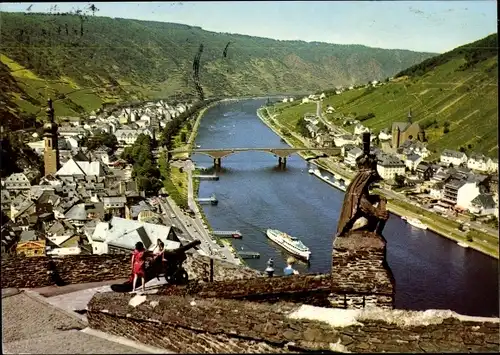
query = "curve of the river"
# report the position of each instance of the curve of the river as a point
(430, 271)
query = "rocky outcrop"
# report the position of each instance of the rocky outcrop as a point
(187, 324)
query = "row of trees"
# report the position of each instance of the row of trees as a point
(145, 170)
(101, 139)
(173, 127)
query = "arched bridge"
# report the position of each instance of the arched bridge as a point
(282, 153)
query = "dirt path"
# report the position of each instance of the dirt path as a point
(452, 103)
(466, 117)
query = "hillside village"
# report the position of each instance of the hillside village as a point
(86, 202)
(453, 183)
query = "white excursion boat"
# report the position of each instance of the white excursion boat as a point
(416, 223)
(289, 243)
(463, 245)
(310, 171)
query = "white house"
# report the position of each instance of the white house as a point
(81, 168)
(360, 129)
(346, 139)
(146, 118)
(453, 157)
(352, 155)
(436, 190)
(385, 135)
(305, 100)
(129, 136)
(478, 162)
(466, 193)
(388, 167)
(483, 204)
(285, 100)
(17, 181)
(330, 109)
(119, 235)
(322, 96)
(291, 99)
(493, 165)
(412, 160)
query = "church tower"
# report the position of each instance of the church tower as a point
(51, 152)
(409, 117)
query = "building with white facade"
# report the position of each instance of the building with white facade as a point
(412, 161)
(119, 235)
(17, 181)
(453, 157)
(352, 155)
(479, 162)
(389, 166)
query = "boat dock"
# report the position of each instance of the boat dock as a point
(226, 233)
(249, 254)
(206, 177)
(212, 200)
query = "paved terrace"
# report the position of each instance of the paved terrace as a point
(31, 324)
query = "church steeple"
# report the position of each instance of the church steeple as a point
(51, 150)
(409, 116)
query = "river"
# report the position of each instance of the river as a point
(430, 271)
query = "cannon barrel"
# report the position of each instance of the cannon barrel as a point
(182, 249)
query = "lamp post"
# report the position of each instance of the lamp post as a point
(270, 269)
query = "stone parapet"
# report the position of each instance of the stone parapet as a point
(359, 263)
(188, 325)
(29, 272)
(308, 289)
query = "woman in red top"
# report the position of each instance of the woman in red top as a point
(138, 258)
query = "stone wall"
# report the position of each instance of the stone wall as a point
(188, 325)
(29, 272)
(359, 263)
(309, 289)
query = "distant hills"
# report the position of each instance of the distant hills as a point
(453, 95)
(83, 62)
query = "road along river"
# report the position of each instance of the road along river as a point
(430, 271)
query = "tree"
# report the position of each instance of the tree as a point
(445, 130)
(183, 137)
(399, 180)
(302, 127)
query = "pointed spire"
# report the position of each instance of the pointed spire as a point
(409, 116)
(50, 111)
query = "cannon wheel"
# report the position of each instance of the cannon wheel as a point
(183, 276)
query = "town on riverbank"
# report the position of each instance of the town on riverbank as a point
(456, 197)
(98, 160)
(110, 170)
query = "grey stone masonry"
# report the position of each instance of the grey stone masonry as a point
(359, 264)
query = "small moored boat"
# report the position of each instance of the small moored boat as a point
(416, 223)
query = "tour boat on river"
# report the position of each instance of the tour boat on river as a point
(416, 223)
(289, 243)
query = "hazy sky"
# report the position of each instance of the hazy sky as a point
(432, 26)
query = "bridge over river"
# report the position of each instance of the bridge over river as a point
(282, 153)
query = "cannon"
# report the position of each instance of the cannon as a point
(171, 268)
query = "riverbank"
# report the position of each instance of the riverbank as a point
(195, 183)
(393, 206)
